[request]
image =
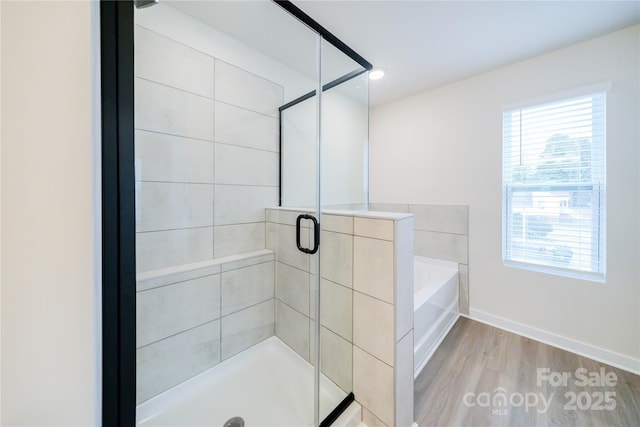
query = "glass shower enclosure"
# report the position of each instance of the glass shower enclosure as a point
(250, 122)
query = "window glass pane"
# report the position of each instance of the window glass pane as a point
(553, 184)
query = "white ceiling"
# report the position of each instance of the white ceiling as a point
(270, 29)
(425, 44)
(421, 44)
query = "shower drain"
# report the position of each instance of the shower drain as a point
(234, 422)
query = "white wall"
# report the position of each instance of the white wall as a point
(344, 149)
(345, 126)
(50, 329)
(444, 146)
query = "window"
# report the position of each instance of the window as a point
(553, 179)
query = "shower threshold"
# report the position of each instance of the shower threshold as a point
(267, 385)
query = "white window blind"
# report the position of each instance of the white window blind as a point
(554, 186)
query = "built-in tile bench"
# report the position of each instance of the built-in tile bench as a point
(193, 316)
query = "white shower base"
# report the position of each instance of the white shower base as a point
(268, 385)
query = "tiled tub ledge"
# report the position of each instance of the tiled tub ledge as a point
(367, 329)
(163, 276)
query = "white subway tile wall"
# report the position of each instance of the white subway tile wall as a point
(244, 328)
(206, 169)
(206, 161)
(371, 420)
(464, 288)
(236, 86)
(246, 128)
(336, 358)
(336, 309)
(373, 327)
(167, 310)
(237, 165)
(373, 267)
(446, 246)
(375, 228)
(292, 287)
(404, 382)
(364, 294)
(238, 238)
(337, 257)
(295, 291)
(164, 109)
(206, 152)
(235, 306)
(292, 327)
(238, 204)
(160, 59)
(172, 206)
(160, 249)
(247, 286)
(373, 385)
(170, 158)
(165, 363)
(404, 277)
(282, 240)
(440, 218)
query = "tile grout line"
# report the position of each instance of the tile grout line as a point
(246, 147)
(174, 87)
(139, 129)
(211, 141)
(178, 333)
(153, 288)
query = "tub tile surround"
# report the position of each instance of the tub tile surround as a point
(206, 284)
(367, 303)
(373, 327)
(441, 232)
(381, 351)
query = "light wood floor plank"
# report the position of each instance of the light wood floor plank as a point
(476, 359)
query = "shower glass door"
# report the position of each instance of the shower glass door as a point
(224, 329)
(344, 132)
(344, 180)
(250, 131)
(341, 108)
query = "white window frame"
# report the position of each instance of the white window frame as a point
(598, 180)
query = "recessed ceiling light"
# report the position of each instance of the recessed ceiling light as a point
(376, 73)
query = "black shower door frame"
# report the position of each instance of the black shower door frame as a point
(118, 203)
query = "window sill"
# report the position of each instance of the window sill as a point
(556, 271)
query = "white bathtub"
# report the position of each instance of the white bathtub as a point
(435, 306)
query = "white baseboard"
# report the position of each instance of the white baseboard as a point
(612, 358)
